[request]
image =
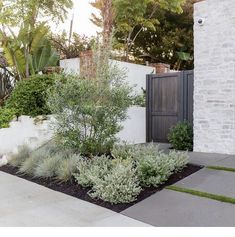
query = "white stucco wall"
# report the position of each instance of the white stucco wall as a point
(214, 93)
(71, 65)
(23, 132)
(134, 128)
(135, 73)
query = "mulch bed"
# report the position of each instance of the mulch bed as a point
(75, 190)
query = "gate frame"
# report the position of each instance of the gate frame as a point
(183, 103)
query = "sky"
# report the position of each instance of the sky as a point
(82, 12)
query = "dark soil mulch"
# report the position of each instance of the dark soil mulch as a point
(75, 190)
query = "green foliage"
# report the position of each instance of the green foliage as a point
(155, 170)
(153, 166)
(114, 181)
(118, 180)
(48, 161)
(120, 185)
(29, 165)
(212, 196)
(66, 168)
(135, 152)
(228, 169)
(131, 18)
(6, 81)
(181, 136)
(44, 56)
(71, 48)
(6, 116)
(140, 99)
(89, 170)
(47, 167)
(17, 12)
(170, 42)
(123, 151)
(17, 159)
(29, 52)
(29, 96)
(88, 111)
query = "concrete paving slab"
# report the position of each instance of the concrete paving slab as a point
(66, 213)
(227, 162)
(211, 181)
(25, 204)
(205, 159)
(174, 209)
(164, 146)
(119, 220)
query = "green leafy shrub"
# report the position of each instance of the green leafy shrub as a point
(123, 152)
(180, 160)
(181, 136)
(89, 170)
(120, 185)
(23, 153)
(112, 180)
(153, 166)
(6, 116)
(154, 170)
(88, 112)
(134, 152)
(29, 95)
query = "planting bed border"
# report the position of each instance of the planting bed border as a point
(75, 190)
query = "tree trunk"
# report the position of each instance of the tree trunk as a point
(107, 12)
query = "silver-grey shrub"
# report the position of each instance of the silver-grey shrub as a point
(47, 168)
(154, 170)
(120, 185)
(112, 180)
(90, 170)
(89, 111)
(125, 151)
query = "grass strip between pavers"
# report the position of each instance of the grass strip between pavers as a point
(221, 168)
(202, 194)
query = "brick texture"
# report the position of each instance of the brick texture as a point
(214, 93)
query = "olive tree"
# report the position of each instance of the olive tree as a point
(88, 111)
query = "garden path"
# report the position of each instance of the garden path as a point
(26, 204)
(206, 198)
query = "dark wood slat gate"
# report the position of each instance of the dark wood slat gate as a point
(169, 100)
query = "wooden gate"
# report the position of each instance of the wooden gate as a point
(169, 100)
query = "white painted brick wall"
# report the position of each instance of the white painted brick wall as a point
(214, 94)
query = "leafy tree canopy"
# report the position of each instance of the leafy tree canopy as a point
(169, 41)
(15, 12)
(133, 14)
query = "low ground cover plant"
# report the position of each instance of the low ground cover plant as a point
(115, 178)
(48, 161)
(120, 179)
(181, 136)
